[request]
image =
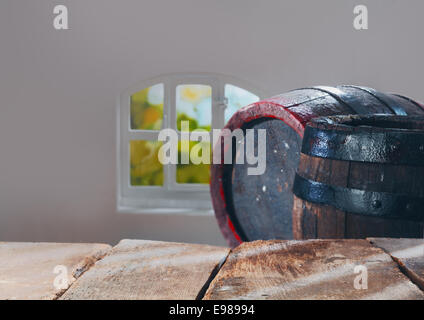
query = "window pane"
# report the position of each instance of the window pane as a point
(146, 170)
(194, 104)
(237, 98)
(147, 108)
(193, 173)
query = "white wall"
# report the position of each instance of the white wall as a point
(58, 90)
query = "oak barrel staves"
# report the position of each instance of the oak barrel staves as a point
(360, 176)
(260, 207)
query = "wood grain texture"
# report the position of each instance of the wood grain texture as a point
(313, 269)
(408, 253)
(27, 269)
(311, 221)
(320, 221)
(141, 269)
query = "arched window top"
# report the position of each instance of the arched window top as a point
(206, 101)
(237, 98)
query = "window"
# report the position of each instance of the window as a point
(207, 102)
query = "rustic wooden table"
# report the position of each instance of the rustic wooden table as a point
(140, 269)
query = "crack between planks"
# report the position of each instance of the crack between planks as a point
(87, 265)
(212, 276)
(412, 276)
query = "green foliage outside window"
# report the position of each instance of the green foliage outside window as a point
(193, 104)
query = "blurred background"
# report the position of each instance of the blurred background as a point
(59, 93)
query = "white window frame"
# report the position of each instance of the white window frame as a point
(171, 197)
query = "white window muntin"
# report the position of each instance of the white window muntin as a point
(171, 196)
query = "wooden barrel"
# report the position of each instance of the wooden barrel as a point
(249, 207)
(360, 176)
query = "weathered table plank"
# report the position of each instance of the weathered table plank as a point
(27, 270)
(313, 269)
(408, 253)
(139, 269)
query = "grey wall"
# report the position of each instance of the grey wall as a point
(58, 90)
